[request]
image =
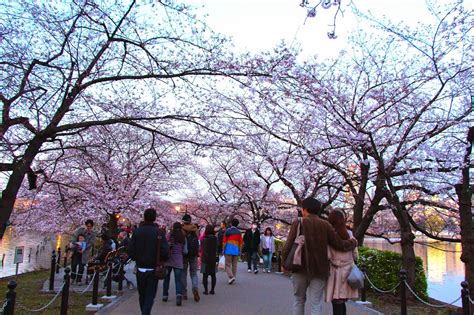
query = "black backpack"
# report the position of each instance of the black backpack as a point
(193, 244)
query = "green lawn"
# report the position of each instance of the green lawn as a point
(28, 293)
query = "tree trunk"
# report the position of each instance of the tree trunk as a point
(464, 192)
(358, 210)
(9, 194)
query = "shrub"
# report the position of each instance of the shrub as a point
(383, 267)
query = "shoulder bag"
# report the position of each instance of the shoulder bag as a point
(355, 278)
(293, 260)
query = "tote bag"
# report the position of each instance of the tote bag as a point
(356, 278)
(293, 261)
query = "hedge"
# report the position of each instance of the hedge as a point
(383, 268)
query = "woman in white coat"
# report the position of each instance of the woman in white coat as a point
(338, 290)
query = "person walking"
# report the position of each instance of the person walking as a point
(143, 250)
(220, 238)
(251, 246)
(337, 288)
(191, 258)
(209, 259)
(232, 249)
(318, 233)
(89, 235)
(177, 244)
(267, 243)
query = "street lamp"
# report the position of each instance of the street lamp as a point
(178, 208)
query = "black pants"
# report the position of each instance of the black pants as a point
(213, 281)
(147, 286)
(76, 261)
(252, 257)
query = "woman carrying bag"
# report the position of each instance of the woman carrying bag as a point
(338, 291)
(267, 244)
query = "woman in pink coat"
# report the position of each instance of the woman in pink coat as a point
(337, 289)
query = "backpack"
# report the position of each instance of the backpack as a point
(193, 244)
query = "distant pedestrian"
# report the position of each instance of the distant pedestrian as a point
(142, 249)
(337, 288)
(318, 233)
(177, 246)
(220, 238)
(209, 259)
(251, 246)
(232, 249)
(267, 244)
(191, 258)
(77, 263)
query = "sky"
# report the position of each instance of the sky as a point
(257, 25)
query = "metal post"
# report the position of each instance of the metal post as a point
(109, 280)
(363, 291)
(65, 293)
(279, 261)
(53, 268)
(95, 287)
(466, 304)
(403, 296)
(121, 276)
(66, 251)
(11, 298)
(59, 260)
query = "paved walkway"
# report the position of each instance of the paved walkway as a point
(260, 294)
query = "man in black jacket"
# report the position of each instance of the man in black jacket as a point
(142, 249)
(251, 245)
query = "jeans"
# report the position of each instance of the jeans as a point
(147, 286)
(231, 265)
(177, 281)
(192, 262)
(301, 283)
(267, 261)
(77, 267)
(252, 260)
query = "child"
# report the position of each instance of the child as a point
(78, 247)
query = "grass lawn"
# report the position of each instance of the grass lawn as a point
(390, 305)
(28, 293)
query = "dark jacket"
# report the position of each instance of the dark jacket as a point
(103, 251)
(220, 241)
(209, 253)
(251, 240)
(142, 247)
(318, 234)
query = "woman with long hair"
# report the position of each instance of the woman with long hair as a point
(267, 244)
(176, 241)
(209, 258)
(338, 290)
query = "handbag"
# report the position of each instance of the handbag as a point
(160, 269)
(265, 251)
(293, 260)
(356, 278)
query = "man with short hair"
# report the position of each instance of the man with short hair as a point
(190, 259)
(142, 249)
(220, 237)
(232, 249)
(318, 234)
(89, 235)
(251, 246)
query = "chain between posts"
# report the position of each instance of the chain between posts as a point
(43, 307)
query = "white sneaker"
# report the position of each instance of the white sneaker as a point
(249, 270)
(231, 280)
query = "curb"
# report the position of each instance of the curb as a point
(112, 305)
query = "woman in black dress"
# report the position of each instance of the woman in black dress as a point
(209, 258)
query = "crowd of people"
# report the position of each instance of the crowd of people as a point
(328, 255)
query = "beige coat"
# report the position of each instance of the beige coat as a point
(340, 267)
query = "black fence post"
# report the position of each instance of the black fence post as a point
(466, 304)
(59, 260)
(363, 291)
(65, 293)
(403, 295)
(53, 268)
(121, 274)
(11, 298)
(95, 286)
(279, 261)
(109, 280)
(66, 251)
